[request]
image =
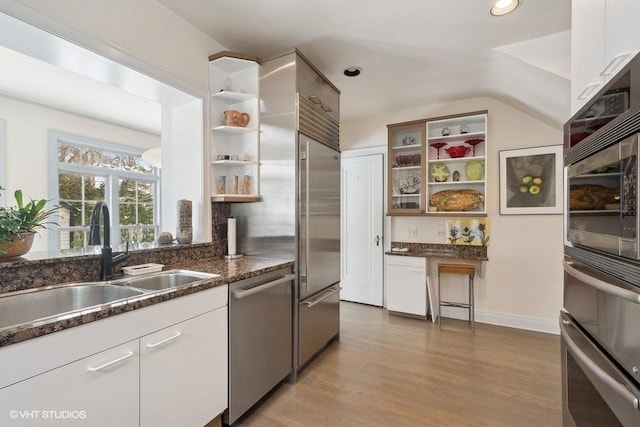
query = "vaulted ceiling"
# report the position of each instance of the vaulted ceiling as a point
(412, 52)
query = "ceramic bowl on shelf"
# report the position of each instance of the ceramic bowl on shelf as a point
(457, 151)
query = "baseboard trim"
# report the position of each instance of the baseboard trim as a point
(503, 319)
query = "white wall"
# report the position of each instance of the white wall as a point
(142, 33)
(27, 151)
(148, 37)
(522, 281)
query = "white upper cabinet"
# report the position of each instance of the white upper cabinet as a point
(587, 50)
(604, 38)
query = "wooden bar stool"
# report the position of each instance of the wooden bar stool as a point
(466, 270)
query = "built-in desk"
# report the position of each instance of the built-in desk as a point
(409, 286)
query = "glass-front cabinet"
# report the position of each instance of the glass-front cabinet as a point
(406, 168)
(437, 166)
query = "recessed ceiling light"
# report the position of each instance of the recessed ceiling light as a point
(502, 7)
(352, 71)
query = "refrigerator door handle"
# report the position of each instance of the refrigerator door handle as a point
(323, 297)
(304, 199)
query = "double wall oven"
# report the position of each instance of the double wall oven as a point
(600, 320)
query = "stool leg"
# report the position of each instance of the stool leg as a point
(439, 305)
(472, 315)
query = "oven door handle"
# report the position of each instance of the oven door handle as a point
(601, 375)
(601, 285)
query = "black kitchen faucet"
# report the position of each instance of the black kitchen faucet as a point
(107, 259)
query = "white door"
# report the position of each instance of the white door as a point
(362, 227)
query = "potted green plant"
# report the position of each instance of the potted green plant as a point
(18, 224)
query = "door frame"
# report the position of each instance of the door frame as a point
(386, 220)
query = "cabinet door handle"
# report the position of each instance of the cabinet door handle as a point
(588, 90)
(164, 341)
(315, 100)
(113, 362)
(416, 271)
(614, 64)
(326, 108)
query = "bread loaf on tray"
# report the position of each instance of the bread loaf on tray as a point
(456, 200)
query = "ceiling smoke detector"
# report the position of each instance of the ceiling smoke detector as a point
(352, 71)
(502, 7)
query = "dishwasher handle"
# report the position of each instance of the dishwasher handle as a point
(248, 292)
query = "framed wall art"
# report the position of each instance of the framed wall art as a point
(531, 181)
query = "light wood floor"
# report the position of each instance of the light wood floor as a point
(394, 371)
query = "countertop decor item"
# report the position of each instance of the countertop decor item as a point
(19, 223)
(165, 238)
(184, 232)
(457, 151)
(446, 131)
(474, 170)
(467, 231)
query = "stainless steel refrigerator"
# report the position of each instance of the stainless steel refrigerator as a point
(298, 216)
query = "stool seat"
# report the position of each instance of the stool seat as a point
(468, 270)
(465, 269)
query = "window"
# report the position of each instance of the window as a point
(88, 172)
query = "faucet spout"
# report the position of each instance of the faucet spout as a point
(107, 259)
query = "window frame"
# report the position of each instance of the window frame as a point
(112, 178)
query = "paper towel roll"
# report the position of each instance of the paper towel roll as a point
(231, 235)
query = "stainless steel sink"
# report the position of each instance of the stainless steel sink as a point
(168, 279)
(54, 301)
(27, 306)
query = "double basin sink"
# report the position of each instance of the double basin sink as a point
(47, 302)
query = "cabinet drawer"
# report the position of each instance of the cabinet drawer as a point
(319, 322)
(99, 390)
(407, 261)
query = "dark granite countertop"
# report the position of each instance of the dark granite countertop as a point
(229, 271)
(439, 250)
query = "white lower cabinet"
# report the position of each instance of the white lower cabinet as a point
(406, 284)
(181, 380)
(99, 390)
(168, 372)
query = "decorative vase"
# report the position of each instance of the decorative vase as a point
(184, 231)
(18, 246)
(474, 170)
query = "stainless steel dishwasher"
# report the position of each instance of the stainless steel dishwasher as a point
(260, 338)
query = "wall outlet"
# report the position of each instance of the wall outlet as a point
(440, 232)
(413, 231)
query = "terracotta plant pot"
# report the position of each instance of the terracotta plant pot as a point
(17, 247)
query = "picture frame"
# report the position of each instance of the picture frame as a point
(531, 181)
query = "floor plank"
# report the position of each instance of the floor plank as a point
(394, 371)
